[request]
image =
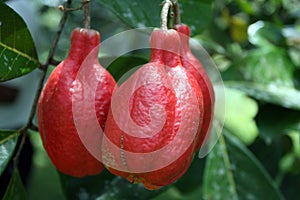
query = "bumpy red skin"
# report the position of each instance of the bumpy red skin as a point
(192, 65)
(55, 117)
(140, 103)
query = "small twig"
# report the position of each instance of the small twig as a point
(33, 127)
(29, 125)
(54, 62)
(87, 16)
(68, 9)
(58, 33)
(23, 133)
(167, 4)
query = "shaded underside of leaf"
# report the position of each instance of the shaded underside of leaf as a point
(15, 190)
(105, 186)
(120, 189)
(8, 141)
(272, 124)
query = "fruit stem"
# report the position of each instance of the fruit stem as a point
(167, 4)
(176, 12)
(44, 68)
(87, 16)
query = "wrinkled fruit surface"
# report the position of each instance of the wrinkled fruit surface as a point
(192, 65)
(155, 118)
(55, 116)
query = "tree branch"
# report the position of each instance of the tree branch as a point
(49, 61)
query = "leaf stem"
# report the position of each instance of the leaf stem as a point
(44, 68)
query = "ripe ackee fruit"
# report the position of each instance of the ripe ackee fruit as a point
(192, 65)
(55, 115)
(155, 118)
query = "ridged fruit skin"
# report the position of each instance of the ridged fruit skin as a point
(193, 65)
(55, 116)
(163, 68)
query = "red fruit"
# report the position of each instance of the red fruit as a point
(192, 65)
(55, 115)
(145, 142)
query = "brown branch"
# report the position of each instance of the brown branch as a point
(29, 125)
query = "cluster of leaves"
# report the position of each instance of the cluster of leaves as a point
(256, 47)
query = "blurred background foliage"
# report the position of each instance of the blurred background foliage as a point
(256, 47)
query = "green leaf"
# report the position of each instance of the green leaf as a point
(290, 186)
(192, 179)
(295, 137)
(219, 181)
(240, 113)
(270, 153)
(123, 64)
(17, 51)
(15, 190)
(171, 193)
(287, 97)
(265, 74)
(105, 186)
(120, 189)
(263, 66)
(232, 172)
(263, 33)
(192, 11)
(147, 13)
(88, 187)
(8, 141)
(271, 122)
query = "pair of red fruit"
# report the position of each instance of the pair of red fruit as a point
(171, 63)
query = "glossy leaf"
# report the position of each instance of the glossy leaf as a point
(266, 74)
(147, 13)
(87, 187)
(15, 190)
(219, 181)
(17, 51)
(104, 186)
(232, 172)
(8, 141)
(263, 66)
(120, 189)
(277, 94)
